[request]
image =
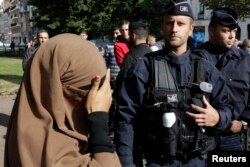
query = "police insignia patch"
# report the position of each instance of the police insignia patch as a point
(172, 98)
(183, 9)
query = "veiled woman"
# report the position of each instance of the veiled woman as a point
(57, 120)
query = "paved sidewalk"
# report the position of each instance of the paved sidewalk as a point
(6, 104)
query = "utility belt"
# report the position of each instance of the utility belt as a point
(182, 139)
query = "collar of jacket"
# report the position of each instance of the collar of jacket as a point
(172, 57)
(232, 52)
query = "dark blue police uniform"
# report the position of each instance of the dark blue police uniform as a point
(233, 63)
(133, 91)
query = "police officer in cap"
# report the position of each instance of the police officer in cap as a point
(171, 101)
(233, 63)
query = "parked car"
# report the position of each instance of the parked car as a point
(4, 44)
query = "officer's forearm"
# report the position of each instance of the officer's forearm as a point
(225, 120)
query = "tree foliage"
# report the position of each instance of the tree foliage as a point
(241, 6)
(96, 16)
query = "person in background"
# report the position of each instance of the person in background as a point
(61, 111)
(157, 45)
(138, 32)
(32, 42)
(41, 36)
(164, 118)
(236, 43)
(111, 63)
(84, 34)
(233, 63)
(246, 45)
(12, 46)
(109, 56)
(151, 40)
(116, 33)
(121, 46)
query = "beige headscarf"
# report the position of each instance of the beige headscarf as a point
(48, 121)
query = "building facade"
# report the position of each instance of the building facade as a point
(4, 23)
(202, 19)
(19, 26)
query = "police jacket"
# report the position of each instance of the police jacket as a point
(130, 59)
(233, 63)
(134, 87)
(132, 56)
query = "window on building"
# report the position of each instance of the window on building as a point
(198, 35)
(201, 12)
(202, 9)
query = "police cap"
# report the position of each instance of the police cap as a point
(178, 7)
(225, 16)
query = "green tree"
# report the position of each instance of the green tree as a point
(151, 11)
(96, 16)
(241, 6)
(70, 15)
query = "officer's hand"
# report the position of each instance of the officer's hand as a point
(99, 99)
(235, 126)
(207, 116)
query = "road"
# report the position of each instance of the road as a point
(6, 104)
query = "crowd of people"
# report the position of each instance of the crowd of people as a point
(143, 102)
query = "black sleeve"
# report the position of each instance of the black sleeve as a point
(99, 141)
